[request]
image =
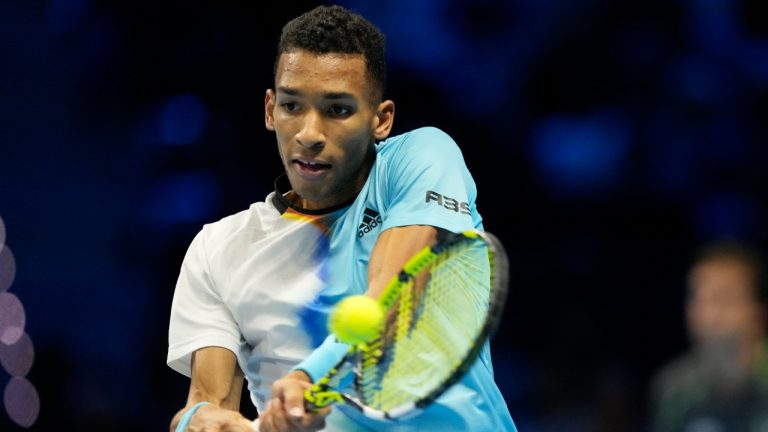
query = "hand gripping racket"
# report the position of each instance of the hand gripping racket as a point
(440, 311)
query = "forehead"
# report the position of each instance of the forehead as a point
(722, 275)
(323, 73)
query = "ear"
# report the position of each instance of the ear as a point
(382, 122)
(269, 109)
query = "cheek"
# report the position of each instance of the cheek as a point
(284, 125)
(735, 320)
(706, 316)
(281, 146)
(724, 318)
(697, 318)
(357, 146)
(747, 317)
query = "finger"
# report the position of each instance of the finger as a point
(279, 418)
(265, 424)
(266, 419)
(313, 420)
(293, 401)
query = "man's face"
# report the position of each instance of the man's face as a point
(326, 124)
(722, 303)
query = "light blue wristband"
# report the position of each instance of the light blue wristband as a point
(188, 415)
(323, 358)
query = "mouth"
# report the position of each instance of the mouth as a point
(310, 168)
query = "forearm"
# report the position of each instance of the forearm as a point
(393, 249)
(230, 399)
(217, 381)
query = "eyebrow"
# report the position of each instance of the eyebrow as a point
(328, 95)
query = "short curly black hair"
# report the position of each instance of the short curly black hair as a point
(335, 29)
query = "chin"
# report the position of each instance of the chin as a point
(310, 193)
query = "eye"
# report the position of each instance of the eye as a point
(340, 110)
(290, 106)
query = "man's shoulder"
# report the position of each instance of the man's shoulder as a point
(426, 140)
(255, 217)
(429, 133)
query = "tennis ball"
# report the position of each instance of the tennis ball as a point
(356, 319)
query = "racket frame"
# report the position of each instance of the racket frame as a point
(322, 394)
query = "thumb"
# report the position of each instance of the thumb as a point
(293, 400)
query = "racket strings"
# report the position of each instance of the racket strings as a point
(368, 377)
(436, 325)
(405, 312)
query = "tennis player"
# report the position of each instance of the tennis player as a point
(255, 288)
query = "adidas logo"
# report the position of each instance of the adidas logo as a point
(371, 219)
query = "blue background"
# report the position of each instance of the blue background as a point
(608, 141)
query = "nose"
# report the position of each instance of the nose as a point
(311, 135)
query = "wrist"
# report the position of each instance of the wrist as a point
(299, 374)
(184, 421)
(322, 359)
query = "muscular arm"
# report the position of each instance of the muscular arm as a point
(393, 248)
(217, 379)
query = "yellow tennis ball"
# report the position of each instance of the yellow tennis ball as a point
(356, 319)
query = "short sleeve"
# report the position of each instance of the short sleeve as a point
(430, 184)
(199, 318)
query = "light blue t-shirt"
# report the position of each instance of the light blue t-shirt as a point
(418, 178)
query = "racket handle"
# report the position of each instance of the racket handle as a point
(318, 397)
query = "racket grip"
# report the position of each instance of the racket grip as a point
(318, 397)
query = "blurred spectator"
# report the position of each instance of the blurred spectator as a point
(721, 383)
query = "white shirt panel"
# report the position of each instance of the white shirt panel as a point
(242, 283)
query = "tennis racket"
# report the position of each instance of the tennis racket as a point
(440, 311)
